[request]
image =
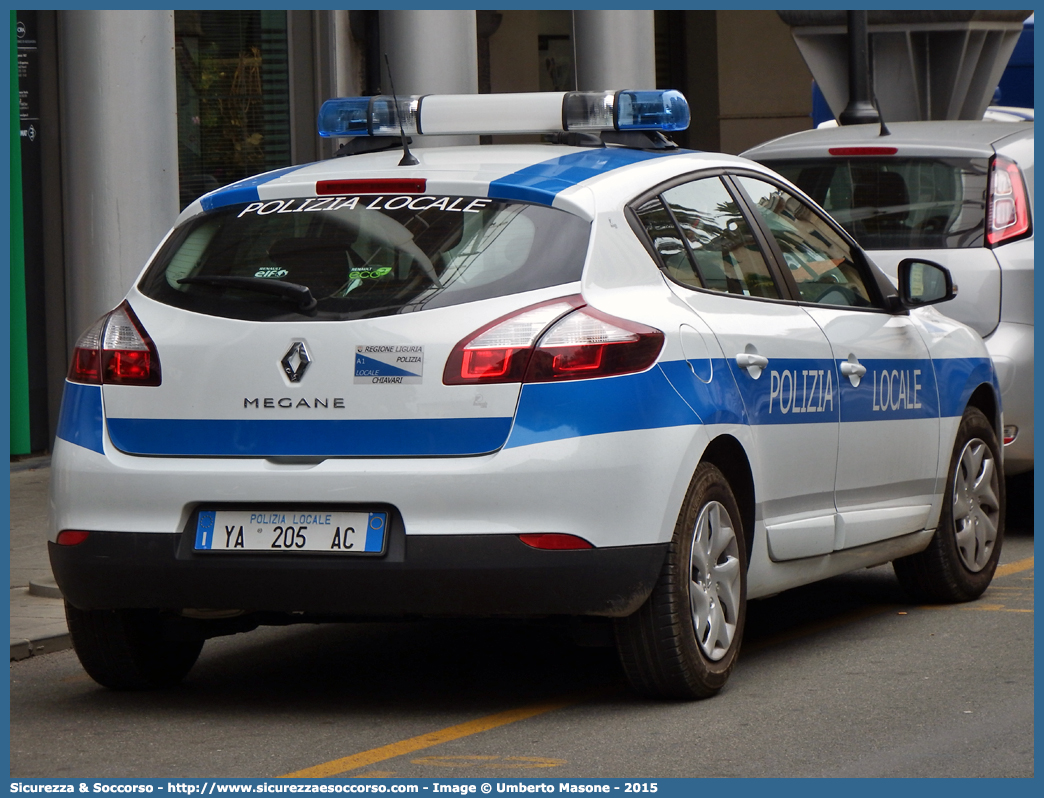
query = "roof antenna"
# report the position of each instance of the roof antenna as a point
(407, 157)
(884, 129)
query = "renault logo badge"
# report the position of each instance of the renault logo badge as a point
(295, 361)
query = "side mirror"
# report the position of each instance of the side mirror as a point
(923, 282)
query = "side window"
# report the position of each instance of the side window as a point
(819, 260)
(667, 242)
(719, 244)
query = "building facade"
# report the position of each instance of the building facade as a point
(126, 116)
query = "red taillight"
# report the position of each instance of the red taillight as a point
(1007, 209)
(589, 343)
(554, 541)
(116, 350)
(399, 185)
(500, 351)
(71, 537)
(558, 340)
(862, 151)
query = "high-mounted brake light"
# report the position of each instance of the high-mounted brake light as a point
(116, 350)
(1007, 210)
(397, 185)
(550, 342)
(487, 114)
(862, 151)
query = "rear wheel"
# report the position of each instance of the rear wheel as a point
(959, 563)
(684, 640)
(126, 649)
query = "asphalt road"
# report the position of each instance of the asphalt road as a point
(843, 678)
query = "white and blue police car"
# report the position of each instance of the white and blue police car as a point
(600, 376)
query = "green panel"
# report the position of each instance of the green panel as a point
(19, 351)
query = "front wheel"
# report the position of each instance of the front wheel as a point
(684, 640)
(126, 649)
(958, 564)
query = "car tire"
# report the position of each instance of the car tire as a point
(126, 650)
(683, 642)
(958, 564)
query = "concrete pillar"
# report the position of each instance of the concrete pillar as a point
(338, 72)
(614, 50)
(119, 151)
(431, 52)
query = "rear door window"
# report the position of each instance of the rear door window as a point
(898, 203)
(704, 241)
(361, 257)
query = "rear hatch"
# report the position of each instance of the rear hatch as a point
(311, 327)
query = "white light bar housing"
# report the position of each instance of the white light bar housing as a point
(487, 114)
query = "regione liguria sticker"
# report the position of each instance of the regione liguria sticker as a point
(393, 364)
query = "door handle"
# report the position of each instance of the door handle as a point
(853, 369)
(752, 363)
(745, 360)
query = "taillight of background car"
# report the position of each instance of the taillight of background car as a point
(562, 339)
(116, 350)
(1007, 211)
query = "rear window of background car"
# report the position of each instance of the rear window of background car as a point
(898, 203)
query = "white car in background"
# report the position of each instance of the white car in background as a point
(957, 192)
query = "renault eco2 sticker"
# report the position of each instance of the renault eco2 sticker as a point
(389, 365)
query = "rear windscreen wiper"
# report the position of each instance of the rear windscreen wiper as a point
(292, 291)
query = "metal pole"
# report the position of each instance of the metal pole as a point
(860, 110)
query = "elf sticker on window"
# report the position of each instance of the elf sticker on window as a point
(393, 364)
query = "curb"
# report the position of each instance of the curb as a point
(24, 649)
(31, 463)
(45, 587)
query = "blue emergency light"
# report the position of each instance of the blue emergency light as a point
(487, 114)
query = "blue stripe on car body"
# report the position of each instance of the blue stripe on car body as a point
(243, 191)
(539, 183)
(666, 396)
(716, 401)
(958, 379)
(282, 438)
(543, 181)
(80, 418)
(550, 411)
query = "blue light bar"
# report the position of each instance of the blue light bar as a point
(664, 110)
(368, 116)
(490, 114)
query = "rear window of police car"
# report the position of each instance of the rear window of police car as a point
(363, 257)
(898, 203)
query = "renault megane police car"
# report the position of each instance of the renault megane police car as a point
(604, 377)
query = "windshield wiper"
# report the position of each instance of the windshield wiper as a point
(292, 291)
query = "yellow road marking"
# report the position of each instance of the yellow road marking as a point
(420, 742)
(1013, 567)
(991, 608)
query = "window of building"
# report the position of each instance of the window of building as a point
(233, 97)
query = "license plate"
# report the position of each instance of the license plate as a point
(318, 532)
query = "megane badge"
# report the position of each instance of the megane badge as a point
(295, 361)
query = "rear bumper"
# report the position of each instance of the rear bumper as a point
(445, 575)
